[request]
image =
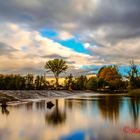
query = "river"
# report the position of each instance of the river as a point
(81, 117)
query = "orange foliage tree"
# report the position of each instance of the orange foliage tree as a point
(111, 76)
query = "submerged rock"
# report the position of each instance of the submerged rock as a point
(50, 105)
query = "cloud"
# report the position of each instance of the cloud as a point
(81, 14)
(110, 30)
(38, 50)
(52, 56)
(121, 53)
(74, 15)
(63, 35)
(23, 71)
(6, 49)
(86, 45)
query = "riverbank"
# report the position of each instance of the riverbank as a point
(28, 95)
(134, 93)
(22, 95)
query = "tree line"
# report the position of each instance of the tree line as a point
(108, 79)
(18, 82)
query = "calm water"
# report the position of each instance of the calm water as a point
(85, 117)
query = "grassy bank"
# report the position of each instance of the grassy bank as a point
(134, 92)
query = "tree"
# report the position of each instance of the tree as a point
(92, 83)
(134, 75)
(80, 82)
(40, 83)
(18, 82)
(111, 76)
(69, 82)
(29, 81)
(56, 66)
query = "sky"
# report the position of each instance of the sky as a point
(87, 34)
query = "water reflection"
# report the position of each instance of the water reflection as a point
(78, 135)
(4, 110)
(77, 118)
(57, 116)
(40, 105)
(29, 106)
(134, 104)
(109, 107)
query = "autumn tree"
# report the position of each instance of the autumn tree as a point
(111, 76)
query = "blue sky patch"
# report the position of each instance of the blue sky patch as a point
(49, 33)
(75, 45)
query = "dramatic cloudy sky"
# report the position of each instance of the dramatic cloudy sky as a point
(86, 33)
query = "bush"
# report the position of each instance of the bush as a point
(92, 84)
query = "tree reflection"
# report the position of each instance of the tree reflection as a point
(29, 106)
(109, 107)
(69, 104)
(134, 110)
(40, 105)
(56, 117)
(4, 110)
(77, 103)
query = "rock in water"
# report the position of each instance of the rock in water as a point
(50, 105)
